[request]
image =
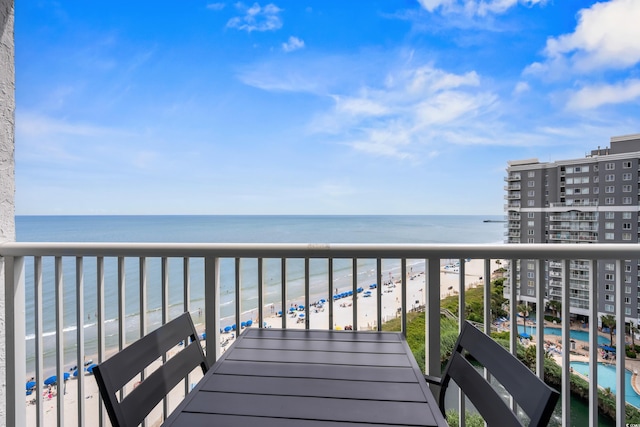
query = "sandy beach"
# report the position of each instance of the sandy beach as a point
(318, 319)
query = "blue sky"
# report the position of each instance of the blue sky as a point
(311, 107)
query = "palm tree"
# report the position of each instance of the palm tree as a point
(524, 309)
(556, 306)
(632, 330)
(609, 321)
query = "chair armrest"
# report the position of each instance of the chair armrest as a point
(433, 380)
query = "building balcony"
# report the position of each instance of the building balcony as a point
(70, 302)
(513, 186)
(514, 216)
(513, 177)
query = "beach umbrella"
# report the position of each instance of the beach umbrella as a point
(323, 301)
(233, 327)
(301, 315)
(525, 335)
(243, 325)
(249, 322)
(292, 309)
(373, 286)
(301, 308)
(203, 336)
(90, 368)
(53, 379)
(31, 385)
(280, 314)
(360, 289)
(336, 297)
(227, 329)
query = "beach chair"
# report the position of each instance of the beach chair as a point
(116, 372)
(532, 395)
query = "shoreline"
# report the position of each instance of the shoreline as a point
(343, 317)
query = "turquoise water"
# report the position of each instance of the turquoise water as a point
(607, 378)
(576, 335)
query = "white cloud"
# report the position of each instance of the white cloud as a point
(412, 109)
(594, 96)
(215, 6)
(606, 37)
(521, 87)
(475, 7)
(292, 44)
(257, 18)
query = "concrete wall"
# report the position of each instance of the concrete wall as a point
(7, 170)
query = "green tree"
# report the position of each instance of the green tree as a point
(555, 306)
(609, 321)
(523, 309)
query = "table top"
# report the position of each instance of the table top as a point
(293, 377)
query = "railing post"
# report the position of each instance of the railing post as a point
(211, 308)
(432, 319)
(15, 345)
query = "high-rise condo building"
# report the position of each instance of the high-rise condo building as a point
(595, 199)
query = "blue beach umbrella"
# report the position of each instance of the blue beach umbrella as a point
(525, 335)
(301, 315)
(323, 301)
(360, 289)
(249, 322)
(243, 325)
(292, 309)
(31, 385)
(227, 329)
(373, 286)
(301, 308)
(90, 368)
(203, 336)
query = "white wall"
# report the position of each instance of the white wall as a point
(7, 169)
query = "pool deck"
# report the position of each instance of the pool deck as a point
(581, 355)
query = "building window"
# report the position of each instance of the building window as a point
(531, 223)
(608, 308)
(531, 202)
(530, 240)
(626, 189)
(569, 170)
(531, 183)
(609, 215)
(596, 190)
(627, 279)
(530, 215)
(608, 236)
(626, 200)
(626, 215)
(530, 232)
(610, 276)
(610, 178)
(626, 236)
(609, 166)
(610, 201)
(596, 179)
(609, 297)
(530, 275)
(609, 225)
(610, 266)
(532, 193)
(608, 287)
(626, 165)
(626, 176)
(531, 283)
(609, 189)
(627, 311)
(531, 292)
(627, 268)
(626, 226)
(531, 174)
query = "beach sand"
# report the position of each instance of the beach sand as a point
(343, 317)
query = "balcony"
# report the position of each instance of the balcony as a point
(84, 300)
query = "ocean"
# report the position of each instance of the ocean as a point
(214, 229)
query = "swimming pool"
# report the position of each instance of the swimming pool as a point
(576, 335)
(607, 378)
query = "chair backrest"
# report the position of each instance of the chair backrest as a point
(114, 373)
(532, 395)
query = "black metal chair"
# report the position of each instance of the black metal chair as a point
(117, 371)
(532, 395)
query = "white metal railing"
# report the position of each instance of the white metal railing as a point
(126, 272)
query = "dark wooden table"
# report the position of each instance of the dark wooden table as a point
(292, 377)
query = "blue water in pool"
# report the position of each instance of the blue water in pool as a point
(576, 335)
(607, 378)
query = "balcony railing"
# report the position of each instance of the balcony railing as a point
(74, 301)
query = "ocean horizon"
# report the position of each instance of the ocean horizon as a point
(216, 229)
